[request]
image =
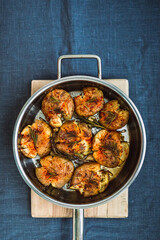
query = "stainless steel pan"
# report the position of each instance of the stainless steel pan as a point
(120, 183)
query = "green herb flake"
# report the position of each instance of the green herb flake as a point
(87, 108)
(34, 136)
(91, 179)
(72, 143)
(71, 134)
(93, 123)
(111, 147)
(53, 172)
(110, 117)
(53, 99)
(92, 100)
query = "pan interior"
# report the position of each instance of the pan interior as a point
(133, 135)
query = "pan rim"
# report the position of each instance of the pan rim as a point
(71, 79)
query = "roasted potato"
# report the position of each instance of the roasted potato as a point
(108, 148)
(35, 139)
(56, 171)
(74, 138)
(112, 117)
(89, 179)
(27, 144)
(90, 103)
(57, 104)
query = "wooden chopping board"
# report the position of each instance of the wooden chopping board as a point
(117, 208)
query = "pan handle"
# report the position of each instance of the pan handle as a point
(80, 56)
(78, 217)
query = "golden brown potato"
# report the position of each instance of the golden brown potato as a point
(56, 171)
(27, 144)
(90, 103)
(35, 139)
(57, 104)
(74, 138)
(112, 117)
(89, 179)
(108, 148)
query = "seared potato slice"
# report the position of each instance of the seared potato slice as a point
(89, 179)
(56, 171)
(74, 138)
(57, 104)
(112, 117)
(90, 103)
(108, 148)
(35, 139)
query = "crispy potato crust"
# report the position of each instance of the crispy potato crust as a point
(36, 139)
(27, 144)
(90, 103)
(112, 117)
(74, 138)
(89, 179)
(108, 148)
(56, 171)
(57, 104)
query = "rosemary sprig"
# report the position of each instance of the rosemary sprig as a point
(72, 143)
(110, 116)
(92, 123)
(91, 100)
(111, 147)
(53, 99)
(34, 136)
(91, 179)
(87, 108)
(56, 152)
(105, 154)
(54, 173)
(71, 134)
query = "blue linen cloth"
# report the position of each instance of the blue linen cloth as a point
(126, 35)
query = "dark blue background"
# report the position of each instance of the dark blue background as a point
(126, 35)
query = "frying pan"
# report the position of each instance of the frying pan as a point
(131, 168)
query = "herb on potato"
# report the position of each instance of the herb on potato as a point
(53, 99)
(93, 123)
(34, 136)
(54, 173)
(110, 117)
(111, 147)
(91, 100)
